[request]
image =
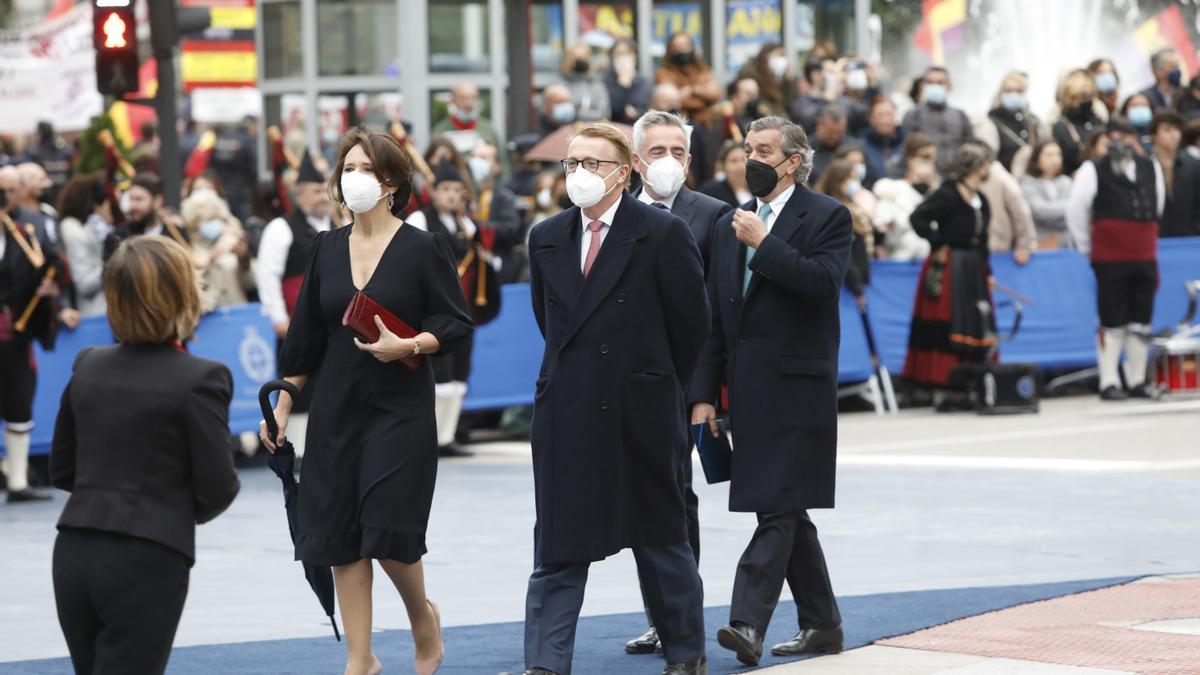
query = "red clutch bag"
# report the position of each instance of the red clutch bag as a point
(360, 318)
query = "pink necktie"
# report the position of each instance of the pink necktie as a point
(593, 247)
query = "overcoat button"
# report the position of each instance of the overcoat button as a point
(620, 297)
(603, 349)
(604, 405)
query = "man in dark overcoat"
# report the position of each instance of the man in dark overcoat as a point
(662, 155)
(618, 294)
(777, 269)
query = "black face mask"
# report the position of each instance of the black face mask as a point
(921, 188)
(753, 108)
(683, 58)
(761, 177)
(581, 66)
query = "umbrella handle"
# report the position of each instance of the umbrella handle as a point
(264, 402)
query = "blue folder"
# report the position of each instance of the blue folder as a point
(715, 454)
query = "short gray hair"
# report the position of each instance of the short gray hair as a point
(967, 159)
(660, 118)
(792, 141)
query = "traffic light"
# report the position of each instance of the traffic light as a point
(114, 35)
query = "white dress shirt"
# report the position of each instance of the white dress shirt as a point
(1083, 195)
(645, 198)
(417, 220)
(585, 238)
(777, 205)
(272, 261)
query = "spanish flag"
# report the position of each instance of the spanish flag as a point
(943, 28)
(197, 162)
(1167, 29)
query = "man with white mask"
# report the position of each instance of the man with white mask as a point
(662, 155)
(618, 293)
(465, 126)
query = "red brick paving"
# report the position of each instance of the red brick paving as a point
(1086, 630)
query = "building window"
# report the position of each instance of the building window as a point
(458, 37)
(546, 26)
(281, 40)
(357, 37)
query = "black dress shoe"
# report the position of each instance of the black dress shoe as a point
(454, 450)
(811, 640)
(539, 671)
(1143, 391)
(28, 495)
(697, 667)
(1112, 393)
(646, 643)
(743, 640)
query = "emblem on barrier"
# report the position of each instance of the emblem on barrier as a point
(256, 356)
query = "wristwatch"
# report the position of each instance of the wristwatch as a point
(416, 347)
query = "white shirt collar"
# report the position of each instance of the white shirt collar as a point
(319, 224)
(779, 202)
(645, 198)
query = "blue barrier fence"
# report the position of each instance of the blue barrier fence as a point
(1058, 331)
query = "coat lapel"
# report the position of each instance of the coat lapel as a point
(785, 227)
(559, 257)
(610, 264)
(685, 205)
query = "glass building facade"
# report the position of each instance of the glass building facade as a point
(325, 65)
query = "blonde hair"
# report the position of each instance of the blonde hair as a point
(202, 206)
(610, 133)
(1012, 77)
(152, 293)
(1077, 86)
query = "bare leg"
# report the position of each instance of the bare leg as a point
(410, 582)
(353, 583)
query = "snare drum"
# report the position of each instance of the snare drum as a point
(1177, 366)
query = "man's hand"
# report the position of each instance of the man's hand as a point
(48, 288)
(1021, 256)
(389, 347)
(705, 413)
(991, 281)
(281, 329)
(749, 228)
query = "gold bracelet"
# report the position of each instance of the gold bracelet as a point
(416, 346)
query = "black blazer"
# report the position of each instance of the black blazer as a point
(722, 191)
(701, 214)
(142, 442)
(608, 428)
(777, 349)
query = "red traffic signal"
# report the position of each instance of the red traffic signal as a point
(114, 35)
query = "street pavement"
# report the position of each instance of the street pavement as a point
(1083, 490)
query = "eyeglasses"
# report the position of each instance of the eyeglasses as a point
(591, 164)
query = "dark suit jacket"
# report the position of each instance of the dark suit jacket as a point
(777, 349)
(701, 214)
(142, 444)
(609, 429)
(722, 191)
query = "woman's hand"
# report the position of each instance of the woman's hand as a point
(281, 418)
(389, 347)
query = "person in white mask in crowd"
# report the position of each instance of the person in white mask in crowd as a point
(949, 126)
(465, 126)
(662, 155)
(618, 293)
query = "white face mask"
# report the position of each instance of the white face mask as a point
(778, 65)
(851, 187)
(664, 177)
(543, 198)
(856, 80)
(624, 63)
(586, 189)
(481, 170)
(360, 192)
(860, 170)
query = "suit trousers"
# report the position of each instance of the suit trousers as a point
(119, 600)
(785, 546)
(692, 511)
(670, 583)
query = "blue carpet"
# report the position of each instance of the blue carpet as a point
(494, 648)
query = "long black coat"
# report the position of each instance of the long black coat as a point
(777, 349)
(608, 424)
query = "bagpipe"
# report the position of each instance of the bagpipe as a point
(282, 159)
(115, 165)
(46, 267)
(479, 279)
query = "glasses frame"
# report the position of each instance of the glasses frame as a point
(570, 164)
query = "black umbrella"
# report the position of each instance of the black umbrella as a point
(283, 463)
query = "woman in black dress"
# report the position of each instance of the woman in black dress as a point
(371, 456)
(948, 328)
